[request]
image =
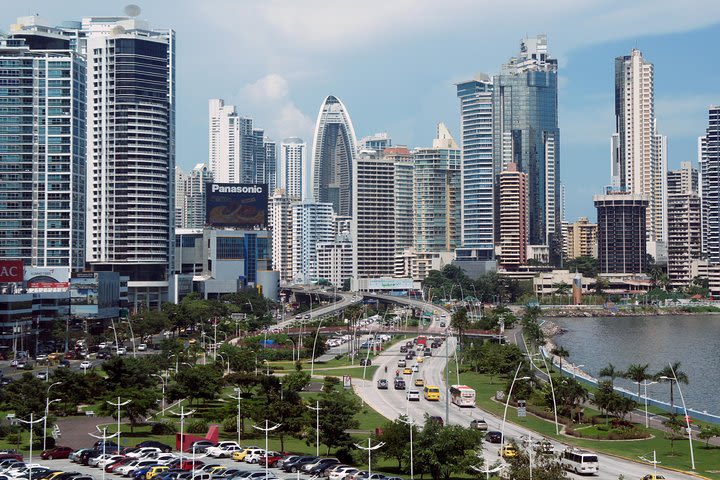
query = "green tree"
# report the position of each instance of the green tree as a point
(620, 406)
(396, 435)
(674, 426)
(604, 396)
(338, 408)
(544, 468)
(587, 266)
(638, 373)
(562, 288)
(143, 401)
(26, 395)
(198, 382)
(707, 432)
(569, 395)
(296, 381)
(672, 375)
(444, 451)
(609, 371)
(460, 322)
(76, 387)
(699, 286)
(560, 352)
(601, 284)
(126, 372)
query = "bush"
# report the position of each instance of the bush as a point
(163, 428)
(229, 424)
(197, 426)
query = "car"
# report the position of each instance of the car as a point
(64, 363)
(442, 324)
(199, 446)
(493, 436)
(342, 473)
(121, 351)
(85, 364)
(402, 363)
(111, 467)
(111, 459)
(479, 424)
(413, 396)
(399, 384)
(319, 467)
(403, 349)
(420, 360)
(163, 458)
(271, 458)
(407, 371)
(653, 476)
(382, 384)
(142, 347)
(144, 452)
(57, 452)
(428, 352)
(185, 464)
(419, 382)
(409, 356)
(239, 455)
(139, 473)
(508, 451)
(165, 448)
(95, 461)
(416, 368)
(286, 458)
(307, 315)
(365, 362)
(222, 449)
(253, 455)
(295, 465)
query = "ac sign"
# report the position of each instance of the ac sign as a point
(11, 271)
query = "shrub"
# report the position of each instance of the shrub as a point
(163, 428)
(229, 424)
(199, 425)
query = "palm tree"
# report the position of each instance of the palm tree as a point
(638, 374)
(560, 352)
(668, 376)
(561, 288)
(611, 372)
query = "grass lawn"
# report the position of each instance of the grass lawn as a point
(707, 461)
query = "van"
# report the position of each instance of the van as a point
(431, 393)
(402, 363)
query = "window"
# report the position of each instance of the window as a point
(230, 248)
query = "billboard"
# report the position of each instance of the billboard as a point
(11, 271)
(390, 283)
(239, 205)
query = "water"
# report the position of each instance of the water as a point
(693, 340)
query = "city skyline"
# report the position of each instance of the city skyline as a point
(281, 89)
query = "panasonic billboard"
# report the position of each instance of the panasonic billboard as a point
(236, 205)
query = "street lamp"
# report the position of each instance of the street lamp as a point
(267, 429)
(317, 409)
(118, 405)
(104, 438)
(30, 423)
(293, 350)
(162, 379)
(645, 385)
(552, 391)
(132, 335)
(182, 416)
(369, 449)
(489, 470)
(47, 407)
(239, 418)
(312, 357)
(507, 402)
(411, 423)
(117, 344)
(687, 417)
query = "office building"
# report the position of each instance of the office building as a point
(130, 152)
(333, 157)
(378, 142)
(639, 154)
(684, 225)
(190, 196)
(42, 147)
(373, 222)
(580, 239)
(478, 174)
(312, 224)
(334, 260)
(404, 163)
(292, 162)
(621, 232)
(417, 265)
(513, 239)
(525, 132)
(436, 187)
(281, 225)
(709, 154)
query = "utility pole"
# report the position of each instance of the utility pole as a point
(118, 405)
(317, 409)
(267, 429)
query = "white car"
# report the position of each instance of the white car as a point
(85, 364)
(122, 351)
(142, 347)
(123, 469)
(95, 461)
(144, 452)
(413, 396)
(342, 473)
(253, 456)
(140, 464)
(222, 449)
(109, 460)
(163, 458)
(102, 345)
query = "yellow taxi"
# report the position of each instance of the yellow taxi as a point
(54, 474)
(215, 470)
(420, 359)
(154, 471)
(240, 455)
(653, 476)
(419, 382)
(407, 371)
(508, 451)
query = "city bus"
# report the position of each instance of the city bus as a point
(431, 393)
(422, 340)
(462, 396)
(579, 461)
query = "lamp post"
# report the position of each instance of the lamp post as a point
(177, 361)
(117, 344)
(552, 391)
(267, 429)
(47, 407)
(507, 402)
(118, 405)
(223, 359)
(411, 423)
(104, 438)
(645, 385)
(30, 423)
(293, 346)
(182, 416)
(489, 470)
(312, 357)
(369, 449)
(132, 335)
(162, 379)
(317, 409)
(239, 418)
(687, 417)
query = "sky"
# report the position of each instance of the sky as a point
(394, 65)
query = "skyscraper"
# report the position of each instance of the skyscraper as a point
(292, 160)
(404, 164)
(131, 152)
(684, 224)
(42, 147)
(621, 232)
(709, 153)
(312, 224)
(513, 239)
(373, 222)
(525, 132)
(333, 157)
(581, 239)
(436, 187)
(190, 196)
(281, 224)
(377, 141)
(476, 125)
(638, 160)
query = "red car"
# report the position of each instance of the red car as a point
(57, 452)
(272, 459)
(110, 467)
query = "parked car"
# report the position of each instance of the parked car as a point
(57, 452)
(286, 458)
(142, 347)
(200, 446)
(155, 471)
(342, 473)
(112, 467)
(296, 464)
(319, 467)
(143, 452)
(165, 448)
(185, 465)
(399, 384)
(223, 449)
(365, 362)
(253, 455)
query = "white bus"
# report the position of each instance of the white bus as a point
(579, 461)
(462, 396)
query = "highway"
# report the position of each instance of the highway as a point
(392, 403)
(347, 299)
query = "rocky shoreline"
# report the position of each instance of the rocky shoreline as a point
(625, 312)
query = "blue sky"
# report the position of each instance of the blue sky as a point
(394, 65)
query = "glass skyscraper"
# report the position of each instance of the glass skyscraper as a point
(525, 132)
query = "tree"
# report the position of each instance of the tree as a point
(620, 406)
(460, 322)
(604, 396)
(443, 451)
(562, 288)
(638, 373)
(672, 375)
(609, 371)
(25, 396)
(396, 436)
(122, 372)
(560, 352)
(544, 468)
(707, 432)
(144, 401)
(569, 394)
(296, 381)
(601, 284)
(674, 426)
(587, 266)
(198, 382)
(338, 408)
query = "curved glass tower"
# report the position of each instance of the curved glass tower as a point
(333, 156)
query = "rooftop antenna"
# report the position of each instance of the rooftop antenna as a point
(132, 10)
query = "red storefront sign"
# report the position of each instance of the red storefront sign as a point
(11, 271)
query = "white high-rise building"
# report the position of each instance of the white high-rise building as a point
(292, 161)
(404, 198)
(130, 152)
(335, 260)
(684, 224)
(312, 224)
(373, 223)
(281, 224)
(190, 196)
(638, 153)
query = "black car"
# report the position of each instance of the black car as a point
(199, 446)
(428, 352)
(494, 437)
(399, 384)
(87, 454)
(322, 465)
(294, 465)
(409, 356)
(382, 384)
(152, 443)
(365, 362)
(403, 349)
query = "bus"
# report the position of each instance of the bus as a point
(422, 340)
(431, 393)
(579, 461)
(462, 396)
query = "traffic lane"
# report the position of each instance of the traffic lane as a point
(392, 404)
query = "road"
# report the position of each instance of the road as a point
(392, 403)
(346, 300)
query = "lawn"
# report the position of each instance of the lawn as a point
(707, 460)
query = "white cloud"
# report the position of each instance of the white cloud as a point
(268, 101)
